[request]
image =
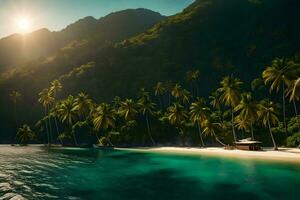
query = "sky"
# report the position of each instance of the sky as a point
(20, 16)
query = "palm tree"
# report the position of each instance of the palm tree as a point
(103, 118)
(177, 116)
(198, 114)
(169, 87)
(268, 112)
(83, 104)
(242, 124)
(68, 113)
(25, 134)
(230, 96)
(159, 91)
(15, 96)
(215, 100)
(247, 109)
(55, 87)
(212, 129)
(279, 75)
(46, 99)
(147, 107)
(185, 96)
(128, 109)
(192, 78)
(294, 95)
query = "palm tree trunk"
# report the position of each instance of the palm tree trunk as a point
(149, 131)
(74, 136)
(16, 120)
(50, 127)
(160, 102)
(283, 107)
(218, 140)
(233, 131)
(296, 113)
(272, 137)
(252, 132)
(200, 134)
(47, 130)
(57, 130)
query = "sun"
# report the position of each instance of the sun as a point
(23, 24)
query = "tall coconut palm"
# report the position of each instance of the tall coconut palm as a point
(177, 116)
(294, 95)
(268, 114)
(176, 91)
(230, 96)
(68, 113)
(242, 124)
(15, 96)
(212, 128)
(46, 99)
(25, 134)
(147, 108)
(169, 85)
(83, 104)
(198, 114)
(247, 109)
(215, 100)
(103, 118)
(128, 109)
(55, 87)
(185, 96)
(192, 77)
(279, 75)
(159, 91)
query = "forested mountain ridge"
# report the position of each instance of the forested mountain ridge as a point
(217, 37)
(43, 43)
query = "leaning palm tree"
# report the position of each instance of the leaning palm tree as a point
(198, 114)
(294, 95)
(46, 99)
(212, 128)
(68, 113)
(15, 96)
(25, 134)
(159, 91)
(279, 75)
(192, 78)
(103, 118)
(128, 109)
(230, 96)
(247, 109)
(147, 107)
(268, 114)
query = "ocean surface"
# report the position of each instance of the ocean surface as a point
(70, 173)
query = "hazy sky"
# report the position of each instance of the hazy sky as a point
(56, 14)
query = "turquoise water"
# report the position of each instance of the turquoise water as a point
(36, 173)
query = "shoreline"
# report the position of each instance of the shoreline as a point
(291, 155)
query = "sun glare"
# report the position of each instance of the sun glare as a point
(23, 25)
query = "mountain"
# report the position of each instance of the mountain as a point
(218, 37)
(41, 43)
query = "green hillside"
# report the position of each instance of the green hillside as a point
(218, 37)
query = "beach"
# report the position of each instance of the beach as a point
(284, 154)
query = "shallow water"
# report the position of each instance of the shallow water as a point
(37, 173)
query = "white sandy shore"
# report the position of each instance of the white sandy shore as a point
(284, 154)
